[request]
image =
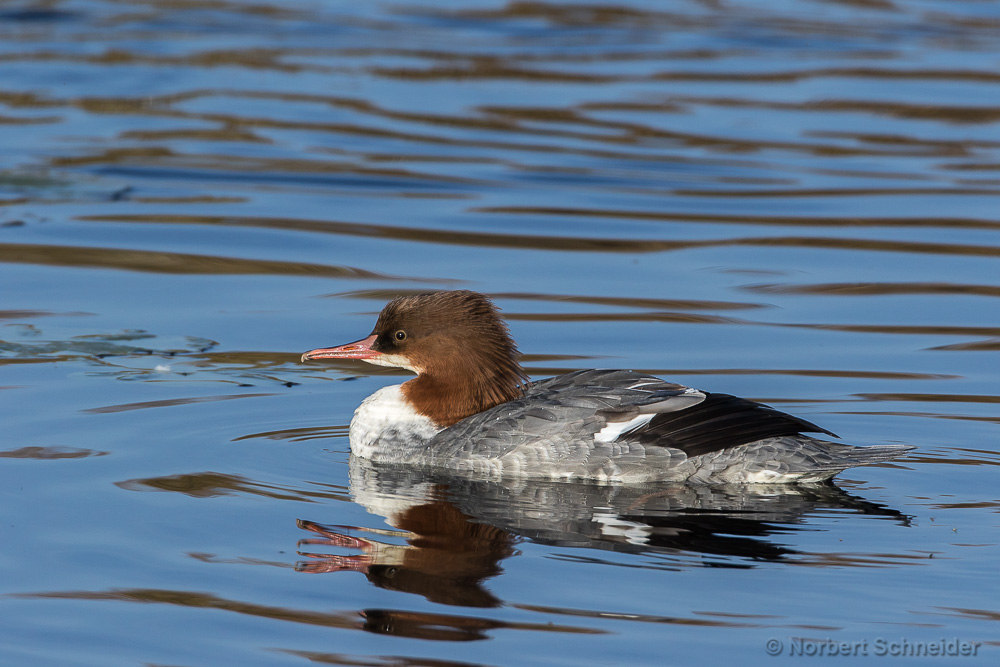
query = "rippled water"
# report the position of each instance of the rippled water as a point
(791, 201)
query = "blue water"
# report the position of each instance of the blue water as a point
(795, 203)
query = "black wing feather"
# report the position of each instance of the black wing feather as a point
(719, 422)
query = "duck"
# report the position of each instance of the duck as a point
(473, 410)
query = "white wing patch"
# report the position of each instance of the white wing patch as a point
(645, 383)
(613, 431)
(689, 398)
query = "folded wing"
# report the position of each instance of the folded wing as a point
(616, 409)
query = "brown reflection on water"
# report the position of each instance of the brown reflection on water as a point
(875, 289)
(32, 314)
(143, 405)
(986, 504)
(446, 627)
(212, 484)
(441, 627)
(303, 434)
(911, 398)
(977, 614)
(715, 620)
(948, 113)
(977, 346)
(332, 658)
(690, 318)
(865, 560)
(632, 302)
(930, 398)
(616, 301)
(496, 68)
(50, 453)
(257, 59)
(924, 415)
(896, 329)
(833, 192)
(804, 372)
(958, 456)
(763, 221)
(194, 599)
(171, 262)
(247, 165)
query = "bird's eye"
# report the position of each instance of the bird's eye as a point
(400, 335)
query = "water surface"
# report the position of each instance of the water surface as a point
(794, 202)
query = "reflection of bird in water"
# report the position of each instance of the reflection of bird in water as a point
(451, 533)
(470, 410)
(445, 559)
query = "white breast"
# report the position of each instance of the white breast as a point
(385, 426)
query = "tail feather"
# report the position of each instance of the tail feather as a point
(878, 453)
(843, 456)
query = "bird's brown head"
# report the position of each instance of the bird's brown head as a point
(456, 342)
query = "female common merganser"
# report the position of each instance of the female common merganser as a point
(471, 409)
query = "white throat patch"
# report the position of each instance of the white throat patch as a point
(392, 361)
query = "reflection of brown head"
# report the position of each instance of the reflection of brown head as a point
(446, 558)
